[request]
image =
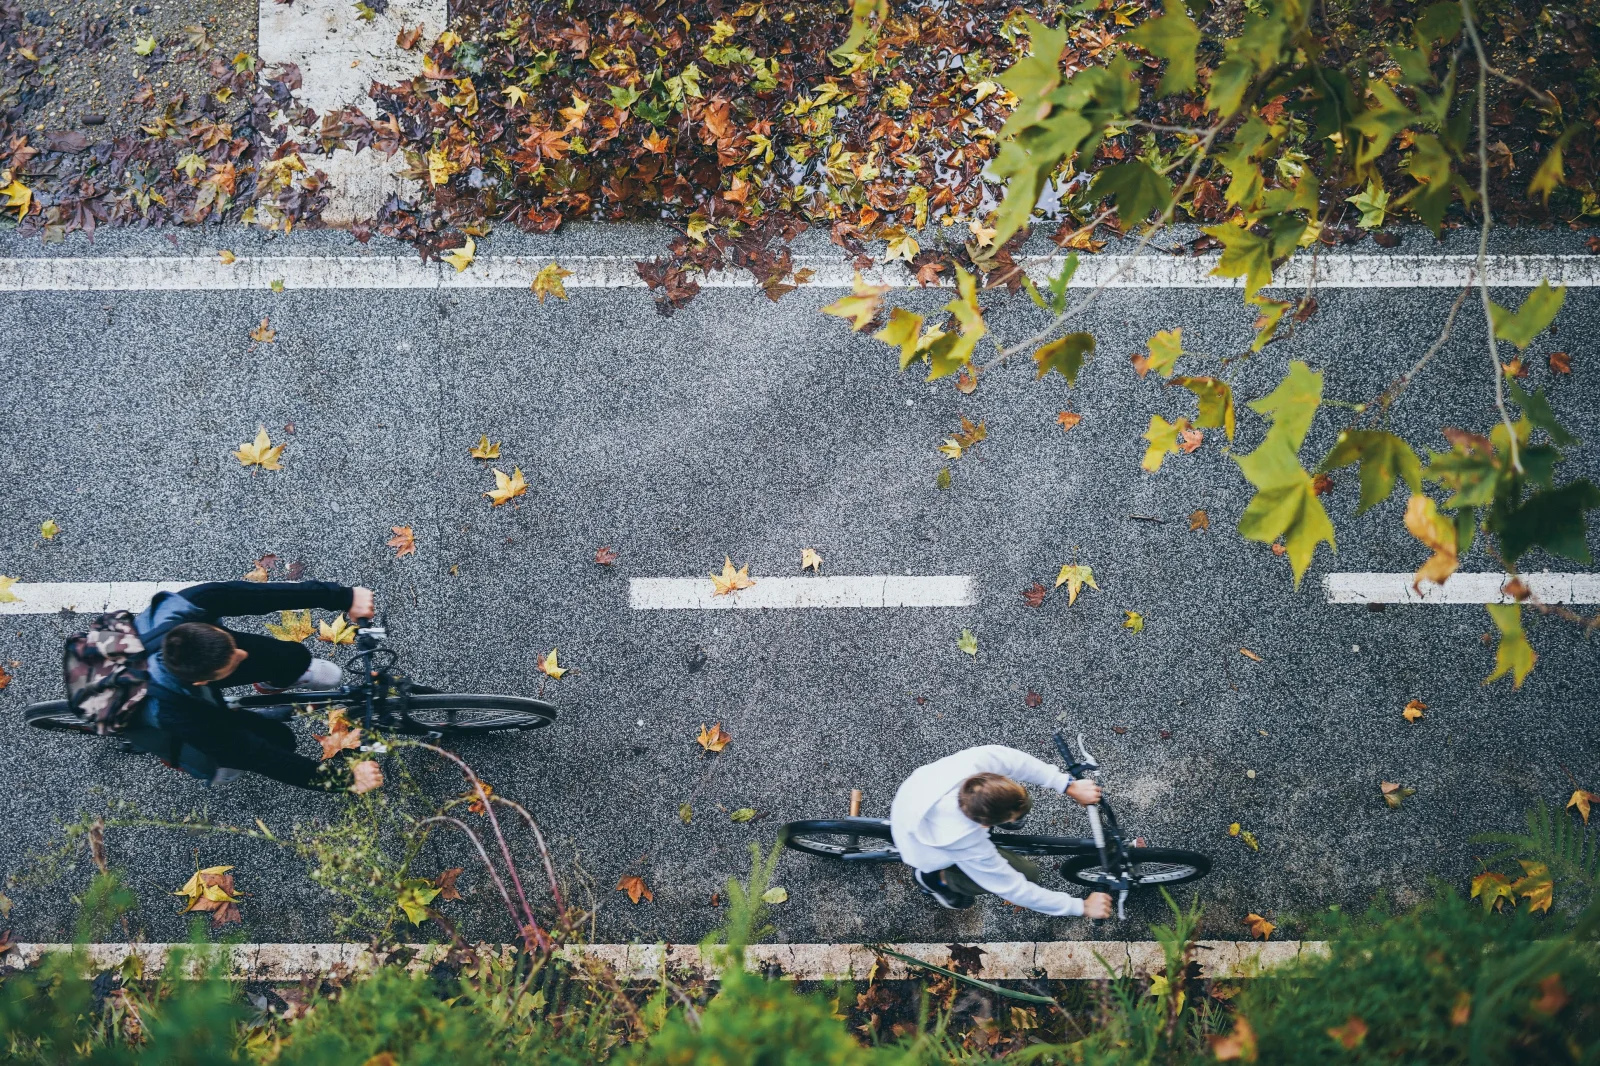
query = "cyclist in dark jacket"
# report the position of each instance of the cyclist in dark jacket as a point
(185, 719)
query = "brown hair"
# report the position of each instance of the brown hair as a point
(195, 651)
(990, 799)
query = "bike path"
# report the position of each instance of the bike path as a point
(736, 427)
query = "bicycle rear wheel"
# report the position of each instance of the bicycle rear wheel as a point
(469, 714)
(1151, 867)
(55, 716)
(847, 839)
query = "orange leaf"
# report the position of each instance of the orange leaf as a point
(1239, 1044)
(1068, 419)
(1199, 520)
(605, 556)
(338, 741)
(1561, 362)
(966, 381)
(713, 739)
(1190, 440)
(635, 887)
(1248, 654)
(1259, 926)
(1414, 710)
(1461, 1013)
(479, 804)
(5, 678)
(404, 542)
(1552, 996)
(1351, 1033)
(264, 333)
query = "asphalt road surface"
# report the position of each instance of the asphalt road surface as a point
(742, 428)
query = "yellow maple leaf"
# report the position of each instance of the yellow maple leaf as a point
(861, 306)
(484, 450)
(713, 739)
(461, 258)
(6, 595)
(551, 666)
(1437, 533)
(1494, 889)
(1581, 800)
(506, 488)
(16, 194)
(548, 282)
(1075, 576)
(731, 580)
(1414, 710)
(810, 560)
(227, 258)
(1259, 926)
(294, 627)
(1535, 886)
(260, 452)
(516, 96)
(338, 631)
(48, 529)
(1133, 621)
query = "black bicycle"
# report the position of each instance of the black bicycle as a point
(1106, 862)
(378, 693)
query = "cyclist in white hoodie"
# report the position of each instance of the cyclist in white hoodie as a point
(941, 818)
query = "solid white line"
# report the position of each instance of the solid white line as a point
(866, 590)
(1546, 587)
(1064, 960)
(86, 597)
(208, 273)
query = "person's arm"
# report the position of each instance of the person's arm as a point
(238, 748)
(1020, 766)
(990, 872)
(222, 599)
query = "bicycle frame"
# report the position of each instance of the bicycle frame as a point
(1103, 822)
(372, 693)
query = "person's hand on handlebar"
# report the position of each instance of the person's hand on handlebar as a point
(363, 605)
(1085, 791)
(1098, 905)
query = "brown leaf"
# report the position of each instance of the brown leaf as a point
(605, 556)
(1516, 369)
(1561, 362)
(1199, 520)
(480, 800)
(1191, 439)
(1034, 594)
(1386, 240)
(1414, 710)
(446, 883)
(408, 37)
(966, 381)
(264, 333)
(713, 739)
(1278, 548)
(1033, 699)
(339, 740)
(1259, 926)
(1351, 1033)
(731, 580)
(5, 679)
(635, 887)
(1248, 654)
(404, 542)
(1068, 419)
(1322, 484)
(1552, 997)
(258, 573)
(1238, 1045)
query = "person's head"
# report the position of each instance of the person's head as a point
(993, 799)
(199, 653)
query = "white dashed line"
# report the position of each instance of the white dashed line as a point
(86, 597)
(862, 591)
(208, 273)
(1546, 587)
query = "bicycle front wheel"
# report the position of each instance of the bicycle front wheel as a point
(463, 714)
(57, 717)
(1151, 867)
(847, 839)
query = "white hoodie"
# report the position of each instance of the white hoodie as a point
(932, 833)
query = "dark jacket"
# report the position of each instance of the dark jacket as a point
(195, 717)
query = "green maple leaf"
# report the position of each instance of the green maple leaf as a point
(1536, 409)
(1429, 164)
(1293, 404)
(1384, 457)
(1285, 505)
(1372, 202)
(1550, 174)
(1133, 620)
(968, 642)
(1244, 255)
(1165, 347)
(1216, 402)
(415, 895)
(1163, 438)
(1529, 320)
(1551, 518)
(1173, 37)
(1514, 656)
(143, 46)
(1065, 356)
(1137, 189)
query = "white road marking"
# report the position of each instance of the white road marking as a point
(865, 590)
(208, 273)
(1545, 586)
(1062, 960)
(86, 597)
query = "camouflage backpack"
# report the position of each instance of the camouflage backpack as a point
(107, 676)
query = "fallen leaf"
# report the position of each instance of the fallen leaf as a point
(550, 666)
(731, 580)
(1494, 889)
(1278, 548)
(967, 381)
(1517, 368)
(339, 740)
(226, 257)
(1075, 576)
(1163, 438)
(743, 814)
(48, 529)
(635, 887)
(1581, 800)
(605, 556)
(1033, 699)
(1068, 419)
(1351, 1033)
(861, 306)
(1246, 837)
(506, 488)
(1535, 885)
(276, 285)
(338, 631)
(295, 626)
(1199, 520)
(264, 333)
(968, 642)
(211, 891)
(810, 560)
(479, 796)
(1248, 654)
(461, 258)
(943, 479)
(1239, 1044)
(548, 282)
(5, 679)
(1561, 362)
(1034, 595)
(1190, 441)
(260, 452)
(1394, 794)
(1259, 926)
(1133, 621)
(404, 542)
(1461, 1013)
(484, 450)
(713, 739)
(6, 595)
(1414, 710)
(775, 895)
(1552, 997)
(367, 775)
(685, 813)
